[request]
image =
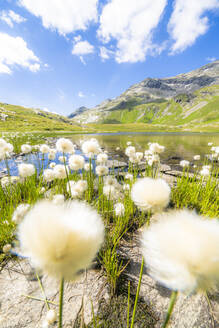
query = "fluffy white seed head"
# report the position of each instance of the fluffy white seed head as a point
(111, 192)
(128, 143)
(196, 157)
(60, 171)
(87, 167)
(44, 149)
(26, 148)
(62, 159)
(52, 154)
(119, 209)
(58, 199)
(102, 170)
(210, 143)
(205, 172)
(130, 151)
(184, 163)
(52, 165)
(102, 158)
(26, 170)
(6, 181)
(65, 146)
(91, 147)
(76, 162)
(129, 176)
(151, 194)
(49, 175)
(61, 239)
(51, 316)
(76, 189)
(182, 251)
(20, 212)
(126, 187)
(155, 148)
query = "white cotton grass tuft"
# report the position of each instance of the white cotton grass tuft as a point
(196, 157)
(184, 163)
(62, 159)
(129, 176)
(26, 170)
(61, 239)
(119, 209)
(130, 151)
(51, 317)
(58, 199)
(65, 146)
(182, 251)
(91, 148)
(26, 148)
(52, 154)
(60, 171)
(88, 166)
(102, 158)
(102, 170)
(76, 162)
(20, 212)
(76, 189)
(151, 194)
(49, 175)
(44, 149)
(110, 191)
(155, 148)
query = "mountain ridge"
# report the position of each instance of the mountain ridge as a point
(154, 91)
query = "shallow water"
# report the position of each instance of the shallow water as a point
(183, 146)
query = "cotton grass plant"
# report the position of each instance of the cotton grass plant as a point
(125, 199)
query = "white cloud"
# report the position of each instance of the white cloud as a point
(80, 94)
(10, 17)
(82, 48)
(65, 16)
(14, 52)
(211, 59)
(187, 22)
(131, 24)
(105, 53)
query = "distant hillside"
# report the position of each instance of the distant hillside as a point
(78, 111)
(17, 118)
(186, 99)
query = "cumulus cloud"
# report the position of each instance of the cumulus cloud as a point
(80, 94)
(188, 22)
(65, 16)
(131, 24)
(105, 53)
(82, 48)
(14, 52)
(10, 17)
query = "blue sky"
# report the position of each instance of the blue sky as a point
(59, 55)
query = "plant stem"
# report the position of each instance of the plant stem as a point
(128, 305)
(137, 293)
(61, 294)
(170, 308)
(43, 291)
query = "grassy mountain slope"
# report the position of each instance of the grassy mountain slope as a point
(183, 101)
(17, 118)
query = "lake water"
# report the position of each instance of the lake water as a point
(183, 146)
(179, 145)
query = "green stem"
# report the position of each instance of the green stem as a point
(43, 291)
(170, 308)
(128, 305)
(61, 294)
(137, 293)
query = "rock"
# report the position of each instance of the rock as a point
(115, 163)
(19, 311)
